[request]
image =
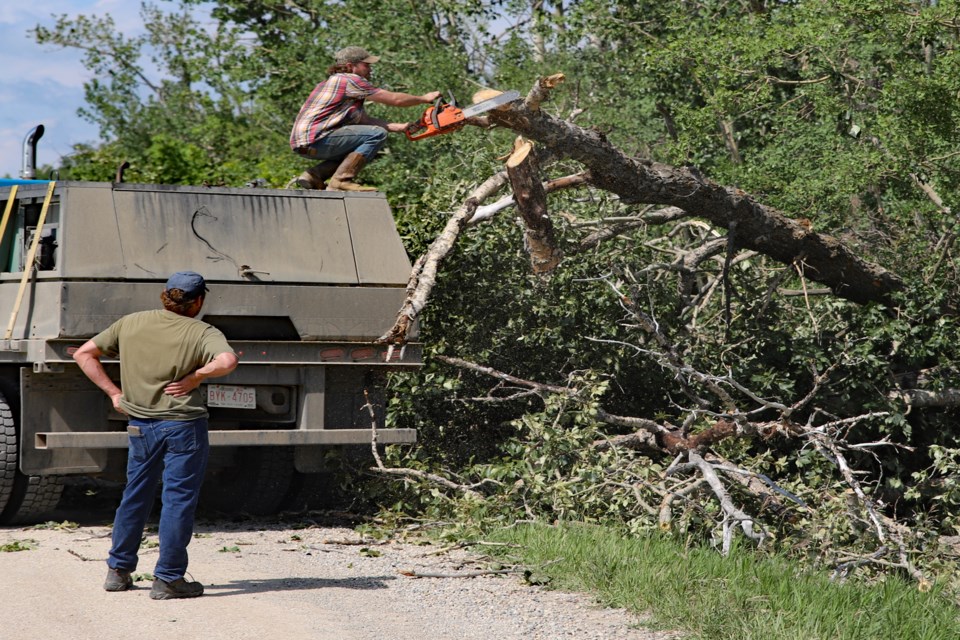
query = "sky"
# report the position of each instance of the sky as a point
(44, 84)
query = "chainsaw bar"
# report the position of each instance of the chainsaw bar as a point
(492, 103)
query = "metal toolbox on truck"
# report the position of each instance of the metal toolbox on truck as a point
(302, 283)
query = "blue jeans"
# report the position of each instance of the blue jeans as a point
(360, 138)
(178, 450)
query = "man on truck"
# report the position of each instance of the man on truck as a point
(165, 354)
(332, 125)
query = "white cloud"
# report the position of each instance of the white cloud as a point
(44, 84)
(124, 12)
(17, 13)
(33, 63)
(26, 105)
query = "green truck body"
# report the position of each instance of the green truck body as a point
(302, 284)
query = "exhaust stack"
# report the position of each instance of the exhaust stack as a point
(29, 170)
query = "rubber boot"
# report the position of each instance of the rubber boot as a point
(342, 180)
(315, 176)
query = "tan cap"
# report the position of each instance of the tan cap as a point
(354, 54)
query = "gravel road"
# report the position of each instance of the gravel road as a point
(266, 580)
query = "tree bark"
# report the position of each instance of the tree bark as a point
(531, 198)
(922, 398)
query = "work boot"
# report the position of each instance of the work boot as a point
(317, 175)
(179, 588)
(117, 580)
(342, 180)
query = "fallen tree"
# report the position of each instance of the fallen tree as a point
(713, 411)
(749, 224)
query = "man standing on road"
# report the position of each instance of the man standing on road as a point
(165, 355)
(332, 125)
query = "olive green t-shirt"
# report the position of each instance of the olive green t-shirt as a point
(156, 348)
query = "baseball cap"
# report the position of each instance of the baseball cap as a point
(190, 282)
(354, 54)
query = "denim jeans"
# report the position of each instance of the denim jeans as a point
(361, 138)
(178, 451)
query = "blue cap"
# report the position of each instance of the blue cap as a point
(190, 282)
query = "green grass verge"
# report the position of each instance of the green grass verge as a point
(743, 596)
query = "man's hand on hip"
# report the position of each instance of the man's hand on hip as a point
(183, 386)
(115, 399)
(219, 366)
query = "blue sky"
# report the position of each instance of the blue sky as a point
(44, 84)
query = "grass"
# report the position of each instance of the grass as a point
(743, 596)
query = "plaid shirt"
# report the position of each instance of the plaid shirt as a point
(335, 102)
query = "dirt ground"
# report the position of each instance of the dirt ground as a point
(267, 579)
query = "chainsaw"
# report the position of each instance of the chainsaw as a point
(446, 117)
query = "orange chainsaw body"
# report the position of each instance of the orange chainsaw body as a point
(443, 118)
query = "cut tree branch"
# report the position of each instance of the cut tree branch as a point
(424, 275)
(732, 515)
(433, 478)
(923, 398)
(531, 198)
(759, 227)
(488, 211)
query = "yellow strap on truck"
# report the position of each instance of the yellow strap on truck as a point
(8, 210)
(31, 256)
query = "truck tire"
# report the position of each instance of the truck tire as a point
(33, 498)
(8, 452)
(255, 484)
(28, 498)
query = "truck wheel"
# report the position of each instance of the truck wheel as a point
(255, 484)
(33, 497)
(8, 452)
(24, 499)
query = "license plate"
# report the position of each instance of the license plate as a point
(228, 395)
